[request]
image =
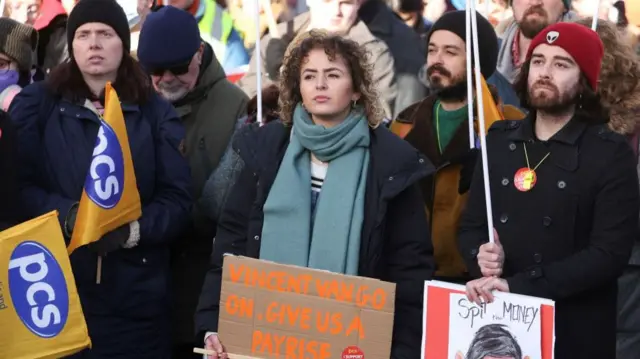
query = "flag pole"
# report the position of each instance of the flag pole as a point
(469, 78)
(99, 270)
(258, 56)
(481, 126)
(596, 14)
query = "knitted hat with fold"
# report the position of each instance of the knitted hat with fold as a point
(455, 22)
(18, 41)
(107, 12)
(168, 28)
(582, 43)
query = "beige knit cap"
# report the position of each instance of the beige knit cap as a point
(18, 41)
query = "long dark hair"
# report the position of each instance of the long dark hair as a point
(132, 83)
(588, 106)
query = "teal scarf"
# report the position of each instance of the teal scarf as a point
(333, 243)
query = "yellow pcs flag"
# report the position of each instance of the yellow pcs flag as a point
(110, 198)
(40, 311)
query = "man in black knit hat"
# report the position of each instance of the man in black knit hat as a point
(437, 126)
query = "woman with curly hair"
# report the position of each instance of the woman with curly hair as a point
(326, 187)
(619, 90)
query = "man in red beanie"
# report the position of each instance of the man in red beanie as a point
(565, 197)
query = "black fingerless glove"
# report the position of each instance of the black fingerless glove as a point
(111, 241)
(70, 221)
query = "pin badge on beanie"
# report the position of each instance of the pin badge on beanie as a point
(552, 36)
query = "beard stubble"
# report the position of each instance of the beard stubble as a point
(553, 103)
(532, 26)
(457, 88)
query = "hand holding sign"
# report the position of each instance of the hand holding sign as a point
(213, 343)
(479, 290)
(491, 257)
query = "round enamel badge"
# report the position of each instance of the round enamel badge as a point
(525, 179)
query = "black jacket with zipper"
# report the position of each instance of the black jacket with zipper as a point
(9, 200)
(396, 244)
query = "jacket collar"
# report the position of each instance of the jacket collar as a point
(568, 135)
(424, 138)
(563, 146)
(395, 164)
(87, 111)
(210, 73)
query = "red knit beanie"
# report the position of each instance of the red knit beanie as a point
(582, 43)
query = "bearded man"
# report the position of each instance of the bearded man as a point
(437, 126)
(531, 17)
(564, 193)
(185, 71)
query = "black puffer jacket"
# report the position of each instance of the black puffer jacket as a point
(9, 203)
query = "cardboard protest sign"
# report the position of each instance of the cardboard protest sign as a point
(511, 327)
(40, 311)
(269, 310)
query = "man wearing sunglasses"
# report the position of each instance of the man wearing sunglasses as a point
(185, 71)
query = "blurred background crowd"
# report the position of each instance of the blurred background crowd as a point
(229, 27)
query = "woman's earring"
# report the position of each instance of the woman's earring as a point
(355, 102)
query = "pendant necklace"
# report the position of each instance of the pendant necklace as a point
(438, 126)
(525, 178)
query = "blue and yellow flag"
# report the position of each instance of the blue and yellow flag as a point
(40, 311)
(110, 198)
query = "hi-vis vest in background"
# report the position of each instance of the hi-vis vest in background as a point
(215, 27)
(40, 312)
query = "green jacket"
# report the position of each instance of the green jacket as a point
(209, 114)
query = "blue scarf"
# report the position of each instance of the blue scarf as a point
(333, 243)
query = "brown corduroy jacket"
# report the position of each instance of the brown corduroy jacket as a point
(444, 204)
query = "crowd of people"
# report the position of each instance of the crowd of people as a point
(376, 90)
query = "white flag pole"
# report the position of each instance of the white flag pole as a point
(472, 139)
(480, 105)
(596, 14)
(258, 56)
